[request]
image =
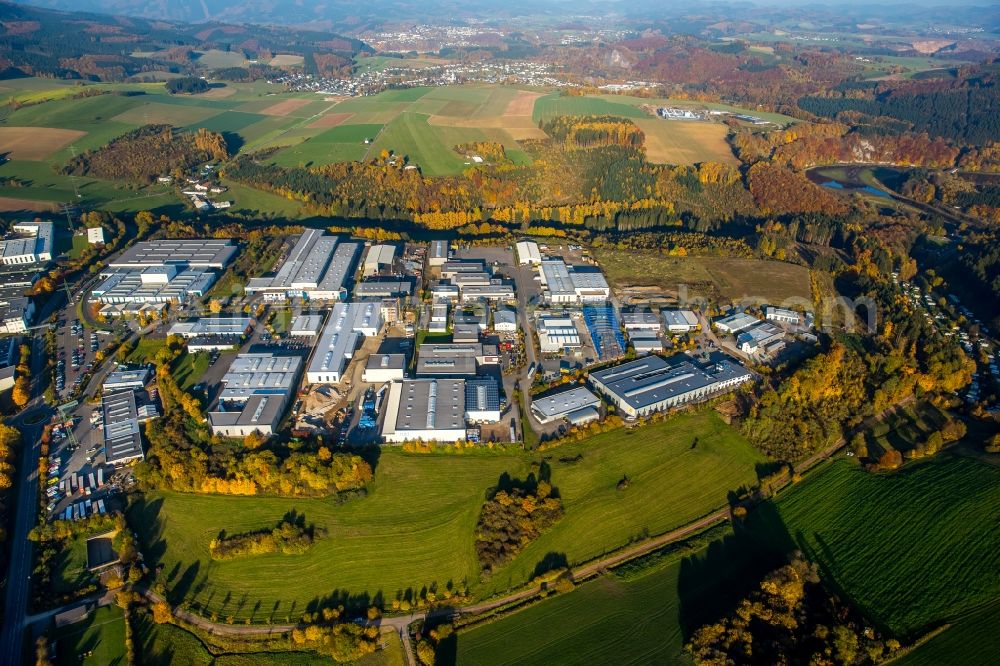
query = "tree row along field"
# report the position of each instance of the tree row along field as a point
(416, 527)
(910, 550)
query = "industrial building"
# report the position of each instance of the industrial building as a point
(381, 368)
(382, 288)
(347, 324)
(196, 253)
(8, 362)
(318, 267)
(444, 292)
(735, 323)
(465, 333)
(482, 400)
(17, 311)
(153, 285)
(643, 320)
(95, 236)
(783, 315)
(250, 374)
(122, 438)
(679, 321)
(305, 325)
(528, 254)
(426, 410)
(564, 284)
(645, 341)
(439, 253)
(125, 379)
(577, 405)
(28, 243)
(378, 258)
(753, 340)
(652, 384)
(455, 267)
(454, 360)
(439, 318)
(505, 321)
(220, 325)
(256, 391)
(556, 334)
(495, 291)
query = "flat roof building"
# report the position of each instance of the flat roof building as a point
(564, 284)
(641, 321)
(482, 400)
(782, 315)
(505, 321)
(219, 325)
(256, 391)
(122, 438)
(425, 410)
(496, 290)
(564, 404)
(382, 288)
(439, 252)
(124, 379)
(200, 253)
(735, 323)
(347, 323)
(679, 321)
(454, 267)
(382, 368)
(28, 243)
(652, 384)
(305, 325)
(556, 334)
(644, 341)
(755, 338)
(317, 267)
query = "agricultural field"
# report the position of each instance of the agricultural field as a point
(715, 278)
(101, 637)
(888, 543)
(604, 621)
(416, 525)
(909, 549)
(681, 142)
(904, 429)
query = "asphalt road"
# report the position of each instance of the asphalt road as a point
(26, 510)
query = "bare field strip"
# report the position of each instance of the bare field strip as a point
(287, 60)
(523, 103)
(35, 143)
(165, 114)
(330, 120)
(12, 205)
(519, 127)
(217, 92)
(285, 107)
(683, 142)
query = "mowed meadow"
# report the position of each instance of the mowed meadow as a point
(912, 550)
(416, 527)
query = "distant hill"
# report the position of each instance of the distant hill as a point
(105, 47)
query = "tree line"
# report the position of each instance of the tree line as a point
(288, 538)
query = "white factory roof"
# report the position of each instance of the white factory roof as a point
(344, 328)
(559, 405)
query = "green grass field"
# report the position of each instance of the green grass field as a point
(710, 277)
(605, 621)
(416, 526)
(911, 548)
(97, 641)
(70, 567)
(337, 144)
(410, 135)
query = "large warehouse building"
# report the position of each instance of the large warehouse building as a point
(318, 267)
(28, 243)
(257, 389)
(577, 405)
(425, 409)
(652, 384)
(163, 271)
(347, 324)
(565, 284)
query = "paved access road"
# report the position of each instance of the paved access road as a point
(30, 421)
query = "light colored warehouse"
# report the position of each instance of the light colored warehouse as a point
(577, 405)
(426, 410)
(347, 324)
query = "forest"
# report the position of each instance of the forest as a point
(142, 154)
(965, 110)
(188, 85)
(790, 619)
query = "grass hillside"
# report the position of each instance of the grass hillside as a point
(416, 526)
(910, 549)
